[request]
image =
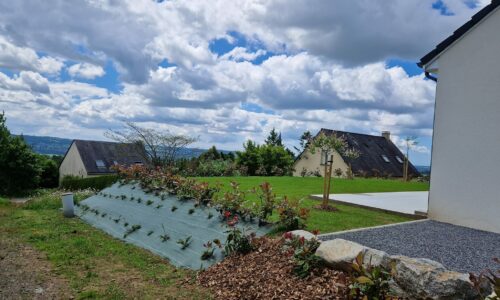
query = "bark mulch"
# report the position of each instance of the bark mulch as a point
(267, 274)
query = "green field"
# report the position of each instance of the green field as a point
(348, 217)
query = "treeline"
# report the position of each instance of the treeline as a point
(271, 158)
(21, 169)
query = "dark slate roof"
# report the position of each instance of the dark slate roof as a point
(459, 32)
(371, 149)
(108, 153)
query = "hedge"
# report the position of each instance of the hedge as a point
(74, 183)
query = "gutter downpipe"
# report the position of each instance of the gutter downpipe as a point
(429, 76)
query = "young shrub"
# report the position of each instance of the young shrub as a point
(164, 237)
(208, 253)
(131, 230)
(368, 281)
(267, 201)
(485, 278)
(184, 242)
(237, 241)
(291, 215)
(204, 193)
(232, 200)
(303, 254)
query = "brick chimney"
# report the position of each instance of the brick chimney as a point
(387, 135)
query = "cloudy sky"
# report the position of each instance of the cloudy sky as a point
(224, 71)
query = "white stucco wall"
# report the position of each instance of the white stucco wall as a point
(312, 162)
(465, 179)
(72, 164)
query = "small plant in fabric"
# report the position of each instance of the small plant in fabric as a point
(208, 253)
(267, 200)
(485, 278)
(159, 206)
(184, 242)
(191, 211)
(210, 215)
(368, 281)
(291, 215)
(125, 224)
(174, 208)
(203, 193)
(231, 201)
(238, 241)
(131, 230)
(123, 197)
(303, 254)
(149, 202)
(164, 237)
(150, 232)
(185, 189)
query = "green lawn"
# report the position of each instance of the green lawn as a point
(349, 217)
(96, 265)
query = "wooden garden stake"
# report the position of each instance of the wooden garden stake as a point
(327, 198)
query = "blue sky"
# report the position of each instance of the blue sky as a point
(223, 71)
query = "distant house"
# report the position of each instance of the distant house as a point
(464, 188)
(378, 157)
(94, 158)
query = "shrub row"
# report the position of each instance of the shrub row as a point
(74, 183)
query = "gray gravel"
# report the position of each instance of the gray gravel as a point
(457, 248)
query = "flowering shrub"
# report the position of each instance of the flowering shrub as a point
(267, 200)
(303, 254)
(237, 241)
(232, 201)
(204, 193)
(291, 215)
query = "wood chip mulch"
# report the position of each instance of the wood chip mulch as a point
(267, 274)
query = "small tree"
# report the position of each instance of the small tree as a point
(327, 144)
(351, 154)
(274, 138)
(410, 142)
(160, 148)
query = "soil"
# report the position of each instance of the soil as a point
(26, 274)
(267, 274)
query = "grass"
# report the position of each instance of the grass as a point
(95, 264)
(349, 217)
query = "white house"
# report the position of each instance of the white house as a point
(465, 176)
(95, 158)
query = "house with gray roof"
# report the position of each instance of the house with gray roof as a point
(95, 158)
(379, 156)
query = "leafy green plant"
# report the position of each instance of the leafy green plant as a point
(123, 197)
(150, 232)
(125, 224)
(291, 215)
(191, 211)
(184, 242)
(174, 208)
(210, 215)
(368, 281)
(117, 219)
(489, 277)
(131, 230)
(267, 200)
(104, 215)
(159, 206)
(238, 241)
(303, 254)
(149, 202)
(232, 200)
(208, 253)
(139, 200)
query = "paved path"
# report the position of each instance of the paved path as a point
(458, 248)
(401, 202)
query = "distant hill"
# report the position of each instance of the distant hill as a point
(58, 146)
(424, 170)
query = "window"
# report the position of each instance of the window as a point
(100, 164)
(399, 159)
(324, 157)
(385, 158)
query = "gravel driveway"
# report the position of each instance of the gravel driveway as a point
(458, 248)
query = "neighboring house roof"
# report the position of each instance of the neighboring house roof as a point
(98, 157)
(372, 150)
(459, 32)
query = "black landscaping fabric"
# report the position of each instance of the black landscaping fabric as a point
(458, 248)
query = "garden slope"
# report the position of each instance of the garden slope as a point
(117, 209)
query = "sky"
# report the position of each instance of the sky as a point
(223, 71)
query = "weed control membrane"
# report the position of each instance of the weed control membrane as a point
(157, 222)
